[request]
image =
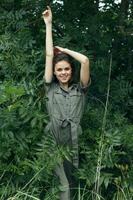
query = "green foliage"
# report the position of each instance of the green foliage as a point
(27, 154)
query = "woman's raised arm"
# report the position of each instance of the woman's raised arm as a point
(48, 73)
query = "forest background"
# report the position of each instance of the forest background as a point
(102, 30)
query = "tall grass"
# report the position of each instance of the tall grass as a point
(96, 195)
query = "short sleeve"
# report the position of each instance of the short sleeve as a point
(85, 88)
(47, 86)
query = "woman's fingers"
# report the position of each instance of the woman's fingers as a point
(57, 47)
(48, 7)
(60, 48)
(46, 12)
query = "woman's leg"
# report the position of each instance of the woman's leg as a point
(65, 190)
(73, 183)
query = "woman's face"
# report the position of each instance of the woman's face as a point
(63, 72)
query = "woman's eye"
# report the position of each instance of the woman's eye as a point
(59, 70)
(64, 69)
(67, 69)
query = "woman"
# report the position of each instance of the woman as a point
(66, 100)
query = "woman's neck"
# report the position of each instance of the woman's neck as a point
(65, 85)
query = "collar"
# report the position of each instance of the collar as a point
(59, 88)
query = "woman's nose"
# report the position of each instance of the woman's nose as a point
(63, 71)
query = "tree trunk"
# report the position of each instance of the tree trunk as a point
(124, 9)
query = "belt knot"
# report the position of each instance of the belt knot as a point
(65, 122)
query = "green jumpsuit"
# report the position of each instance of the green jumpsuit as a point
(65, 109)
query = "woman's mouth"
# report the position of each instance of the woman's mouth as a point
(63, 77)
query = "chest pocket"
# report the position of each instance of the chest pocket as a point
(58, 104)
(76, 98)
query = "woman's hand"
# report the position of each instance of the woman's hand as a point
(60, 48)
(47, 15)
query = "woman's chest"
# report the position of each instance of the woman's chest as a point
(66, 104)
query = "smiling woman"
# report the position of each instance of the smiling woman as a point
(63, 68)
(66, 102)
(63, 73)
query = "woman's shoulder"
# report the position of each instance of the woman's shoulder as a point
(49, 86)
(80, 87)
